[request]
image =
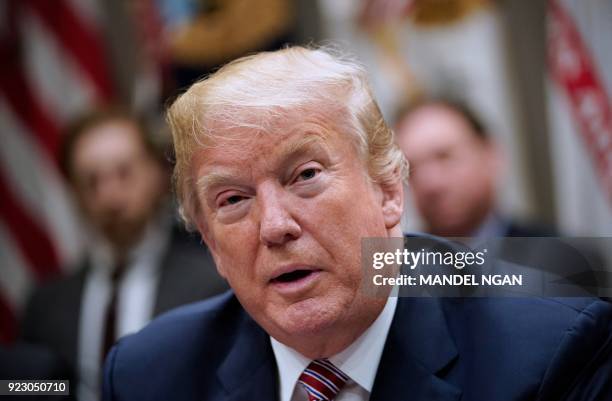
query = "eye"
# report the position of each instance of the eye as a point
(307, 174)
(230, 200)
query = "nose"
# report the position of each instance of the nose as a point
(277, 225)
(111, 193)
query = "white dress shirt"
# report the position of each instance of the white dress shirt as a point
(359, 361)
(135, 301)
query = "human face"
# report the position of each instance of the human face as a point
(118, 184)
(453, 172)
(284, 212)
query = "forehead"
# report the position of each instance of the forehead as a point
(250, 150)
(107, 141)
(434, 126)
(251, 127)
(258, 146)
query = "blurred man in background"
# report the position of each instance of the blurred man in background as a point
(139, 263)
(454, 169)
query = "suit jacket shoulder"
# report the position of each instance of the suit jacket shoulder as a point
(51, 315)
(208, 350)
(543, 347)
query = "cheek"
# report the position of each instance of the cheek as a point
(236, 247)
(144, 196)
(155, 183)
(476, 180)
(339, 222)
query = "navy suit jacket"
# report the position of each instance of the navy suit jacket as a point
(476, 349)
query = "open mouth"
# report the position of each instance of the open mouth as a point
(293, 276)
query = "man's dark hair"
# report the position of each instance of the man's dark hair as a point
(460, 107)
(79, 126)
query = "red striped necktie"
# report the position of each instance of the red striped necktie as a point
(322, 380)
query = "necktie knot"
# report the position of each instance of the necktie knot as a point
(322, 380)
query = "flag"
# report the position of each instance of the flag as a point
(53, 68)
(580, 113)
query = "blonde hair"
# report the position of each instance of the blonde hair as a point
(250, 92)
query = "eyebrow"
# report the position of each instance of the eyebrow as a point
(211, 180)
(306, 143)
(289, 153)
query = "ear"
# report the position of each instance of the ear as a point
(211, 244)
(392, 203)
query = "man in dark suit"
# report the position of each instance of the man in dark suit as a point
(284, 164)
(455, 170)
(34, 362)
(138, 262)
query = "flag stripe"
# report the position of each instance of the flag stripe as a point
(52, 73)
(53, 68)
(88, 10)
(34, 242)
(78, 39)
(22, 101)
(38, 186)
(572, 67)
(16, 278)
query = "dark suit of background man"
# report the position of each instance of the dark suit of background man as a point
(284, 164)
(138, 262)
(455, 168)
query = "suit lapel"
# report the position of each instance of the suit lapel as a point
(249, 370)
(418, 350)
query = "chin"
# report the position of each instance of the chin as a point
(308, 317)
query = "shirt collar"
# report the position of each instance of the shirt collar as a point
(290, 364)
(359, 360)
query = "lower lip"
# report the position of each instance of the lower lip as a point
(297, 286)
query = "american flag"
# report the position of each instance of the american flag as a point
(580, 113)
(53, 67)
